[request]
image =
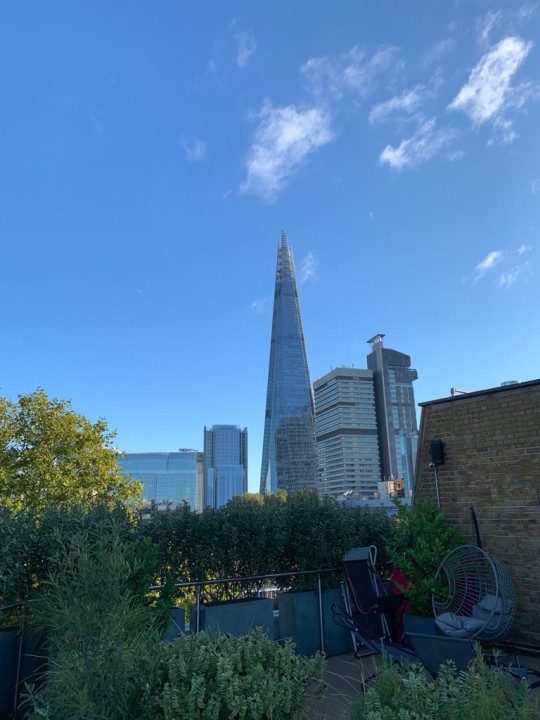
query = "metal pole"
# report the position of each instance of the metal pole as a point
(321, 619)
(198, 623)
(436, 485)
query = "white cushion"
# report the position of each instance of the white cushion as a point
(458, 626)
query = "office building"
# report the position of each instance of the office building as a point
(396, 411)
(169, 478)
(225, 464)
(289, 458)
(346, 432)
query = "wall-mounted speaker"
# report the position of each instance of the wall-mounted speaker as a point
(436, 450)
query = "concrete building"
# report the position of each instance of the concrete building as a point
(169, 478)
(346, 433)
(396, 411)
(289, 456)
(225, 464)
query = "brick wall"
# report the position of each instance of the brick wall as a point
(492, 462)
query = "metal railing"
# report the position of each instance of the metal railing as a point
(198, 584)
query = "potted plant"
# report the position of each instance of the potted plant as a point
(419, 540)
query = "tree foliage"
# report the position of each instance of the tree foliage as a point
(50, 455)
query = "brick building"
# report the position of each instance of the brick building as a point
(491, 442)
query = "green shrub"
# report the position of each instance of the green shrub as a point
(30, 541)
(104, 648)
(417, 544)
(481, 693)
(248, 678)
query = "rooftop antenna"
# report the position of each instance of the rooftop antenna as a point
(455, 391)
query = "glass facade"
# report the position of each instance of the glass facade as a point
(289, 459)
(225, 464)
(396, 411)
(168, 478)
(346, 430)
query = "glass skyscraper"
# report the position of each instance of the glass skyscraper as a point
(396, 410)
(289, 459)
(225, 464)
(168, 478)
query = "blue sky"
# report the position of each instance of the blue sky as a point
(151, 154)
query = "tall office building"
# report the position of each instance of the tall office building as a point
(346, 431)
(396, 410)
(289, 459)
(225, 464)
(169, 478)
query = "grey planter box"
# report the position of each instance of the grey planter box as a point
(299, 620)
(236, 617)
(177, 624)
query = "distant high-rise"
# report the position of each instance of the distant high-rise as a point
(169, 478)
(289, 459)
(225, 464)
(396, 410)
(346, 430)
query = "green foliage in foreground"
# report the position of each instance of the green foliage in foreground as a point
(482, 693)
(249, 678)
(107, 659)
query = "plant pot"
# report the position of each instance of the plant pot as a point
(236, 617)
(299, 619)
(177, 624)
(9, 658)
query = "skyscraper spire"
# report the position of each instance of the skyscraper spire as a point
(289, 459)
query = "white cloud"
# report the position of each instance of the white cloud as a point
(408, 102)
(485, 26)
(195, 149)
(508, 279)
(535, 186)
(260, 306)
(438, 51)
(308, 270)
(488, 263)
(353, 71)
(426, 142)
(488, 91)
(283, 140)
(245, 47)
(522, 249)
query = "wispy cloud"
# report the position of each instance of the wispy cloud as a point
(438, 51)
(522, 272)
(487, 264)
(245, 47)
(284, 138)
(408, 102)
(308, 271)
(352, 72)
(260, 306)
(535, 185)
(195, 149)
(522, 249)
(426, 142)
(485, 26)
(488, 92)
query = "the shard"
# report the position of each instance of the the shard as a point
(289, 459)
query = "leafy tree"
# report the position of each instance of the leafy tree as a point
(51, 455)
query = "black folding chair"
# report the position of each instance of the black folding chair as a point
(369, 607)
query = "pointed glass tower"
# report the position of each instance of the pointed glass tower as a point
(289, 459)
